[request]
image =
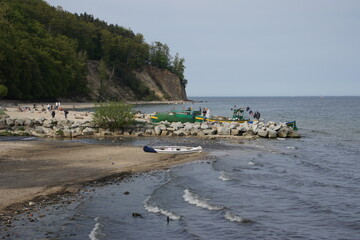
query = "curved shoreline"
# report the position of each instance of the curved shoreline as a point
(37, 170)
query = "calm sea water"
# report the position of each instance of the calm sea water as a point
(306, 188)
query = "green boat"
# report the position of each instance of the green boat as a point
(175, 116)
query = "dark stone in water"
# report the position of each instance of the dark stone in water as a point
(126, 193)
(134, 214)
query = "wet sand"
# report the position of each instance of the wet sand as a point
(31, 170)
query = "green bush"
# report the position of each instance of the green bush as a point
(113, 115)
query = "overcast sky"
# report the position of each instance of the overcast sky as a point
(248, 47)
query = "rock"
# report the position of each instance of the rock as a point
(76, 132)
(294, 134)
(88, 131)
(188, 126)
(283, 132)
(204, 126)
(263, 132)
(47, 124)
(157, 130)
(67, 133)
(177, 125)
(234, 132)
(28, 122)
(209, 131)
(249, 132)
(135, 214)
(138, 134)
(31, 204)
(39, 130)
(179, 133)
(10, 122)
(149, 131)
(272, 133)
(223, 130)
(19, 122)
(3, 124)
(200, 133)
(277, 128)
(164, 133)
(194, 131)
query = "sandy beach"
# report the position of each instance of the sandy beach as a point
(30, 170)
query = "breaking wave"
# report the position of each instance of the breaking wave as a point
(96, 233)
(233, 218)
(196, 200)
(156, 209)
(224, 176)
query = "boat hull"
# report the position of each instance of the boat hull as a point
(172, 149)
(203, 119)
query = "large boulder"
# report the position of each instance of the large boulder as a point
(179, 133)
(48, 124)
(283, 132)
(10, 122)
(223, 130)
(177, 125)
(3, 124)
(157, 130)
(28, 122)
(234, 132)
(294, 134)
(272, 133)
(19, 122)
(39, 130)
(263, 132)
(88, 131)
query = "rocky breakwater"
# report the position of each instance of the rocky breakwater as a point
(226, 129)
(43, 127)
(53, 127)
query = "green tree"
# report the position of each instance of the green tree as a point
(113, 115)
(160, 55)
(3, 90)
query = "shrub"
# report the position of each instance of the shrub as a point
(113, 115)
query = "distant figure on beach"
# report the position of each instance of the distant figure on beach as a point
(204, 112)
(207, 115)
(66, 112)
(53, 113)
(48, 107)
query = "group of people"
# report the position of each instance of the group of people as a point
(52, 108)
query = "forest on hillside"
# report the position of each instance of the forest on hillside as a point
(44, 51)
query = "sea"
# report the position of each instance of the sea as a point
(306, 188)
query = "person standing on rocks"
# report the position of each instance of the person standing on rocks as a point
(66, 112)
(53, 113)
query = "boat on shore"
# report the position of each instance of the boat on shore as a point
(172, 149)
(175, 116)
(238, 116)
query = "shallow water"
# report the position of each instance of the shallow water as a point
(304, 188)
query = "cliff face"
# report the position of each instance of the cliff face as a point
(162, 84)
(165, 84)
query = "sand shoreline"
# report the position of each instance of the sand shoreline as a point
(32, 171)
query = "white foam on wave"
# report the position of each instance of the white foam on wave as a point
(96, 233)
(224, 176)
(233, 218)
(194, 199)
(251, 163)
(156, 209)
(290, 147)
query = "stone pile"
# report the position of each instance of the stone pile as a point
(67, 128)
(250, 130)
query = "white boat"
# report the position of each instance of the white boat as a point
(172, 149)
